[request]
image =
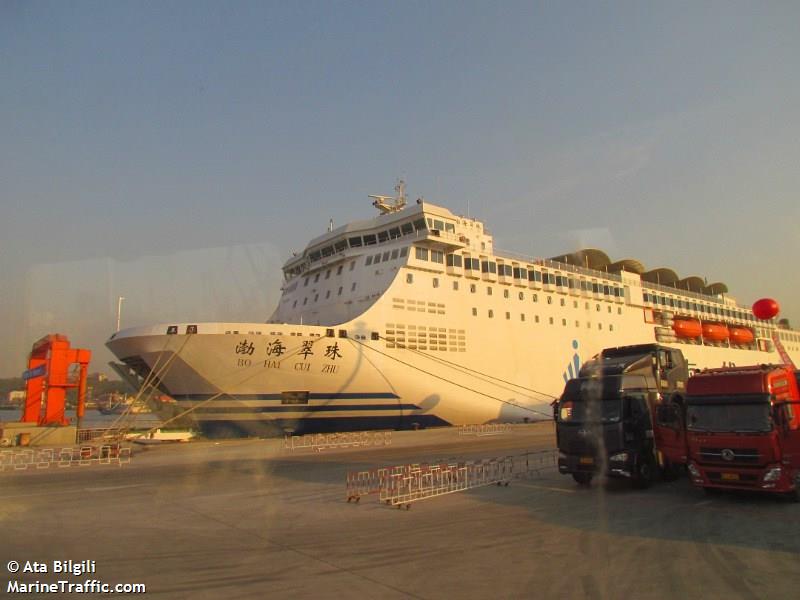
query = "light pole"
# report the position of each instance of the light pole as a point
(119, 310)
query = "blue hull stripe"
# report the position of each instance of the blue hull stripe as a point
(304, 408)
(311, 396)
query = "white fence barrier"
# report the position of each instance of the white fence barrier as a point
(403, 484)
(530, 464)
(485, 429)
(83, 456)
(437, 480)
(88, 435)
(347, 439)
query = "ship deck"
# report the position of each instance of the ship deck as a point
(248, 519)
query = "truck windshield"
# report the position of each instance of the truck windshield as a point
(592, 400)
(729, 415)
(579, 410)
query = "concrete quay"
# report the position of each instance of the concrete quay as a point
(248, 519)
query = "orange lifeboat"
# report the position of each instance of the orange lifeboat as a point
(715, 332)
(687, 328)
(741, 336)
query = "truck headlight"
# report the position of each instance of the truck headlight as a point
(619, 457)
(773, 474)
(693, 471)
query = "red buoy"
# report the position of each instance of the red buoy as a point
(766, 308)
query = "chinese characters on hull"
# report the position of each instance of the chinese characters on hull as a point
(245, 347)
(277, 349)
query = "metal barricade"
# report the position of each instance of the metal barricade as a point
(532, 464)
(44, 458)
(402, 485)
(347, 439)
(364, 483)
(438, 480)
(89, 435)
(485, 429)
(6, 459)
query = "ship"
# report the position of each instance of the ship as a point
(412, 319)
(115, 403)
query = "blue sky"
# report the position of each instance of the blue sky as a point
(210, 139)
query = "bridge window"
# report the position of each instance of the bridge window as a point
(454, 260)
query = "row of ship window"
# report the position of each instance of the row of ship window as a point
(372, 259)
(503, 270)
(339, 270)
(490, 314)
(789, 337)
(473, 288)
(701, 308)
(369, 239)
(327, 295)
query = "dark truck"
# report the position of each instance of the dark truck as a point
(605, 417)
(743, 429)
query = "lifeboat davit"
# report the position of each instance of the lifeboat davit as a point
(687, 328)
(741, 336)
(714, 332)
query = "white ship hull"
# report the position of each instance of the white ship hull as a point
(412, 342)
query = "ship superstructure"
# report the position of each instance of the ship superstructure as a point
(411, 318)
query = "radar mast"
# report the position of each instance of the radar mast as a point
(391, 204)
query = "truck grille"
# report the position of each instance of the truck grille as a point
(748, 456)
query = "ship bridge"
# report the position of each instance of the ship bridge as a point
(422, 223)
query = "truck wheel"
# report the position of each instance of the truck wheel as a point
(643, 477)
(794, 495)
(582, 478)
(670, 472)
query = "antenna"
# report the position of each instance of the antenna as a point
(391, 204)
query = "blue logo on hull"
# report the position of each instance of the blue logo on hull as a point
(574, 367)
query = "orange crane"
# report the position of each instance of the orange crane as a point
(47, 380)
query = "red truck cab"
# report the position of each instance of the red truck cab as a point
(743, 429)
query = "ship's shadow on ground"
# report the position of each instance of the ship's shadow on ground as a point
(674, 511)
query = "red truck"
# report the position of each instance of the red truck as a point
(742, 429)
